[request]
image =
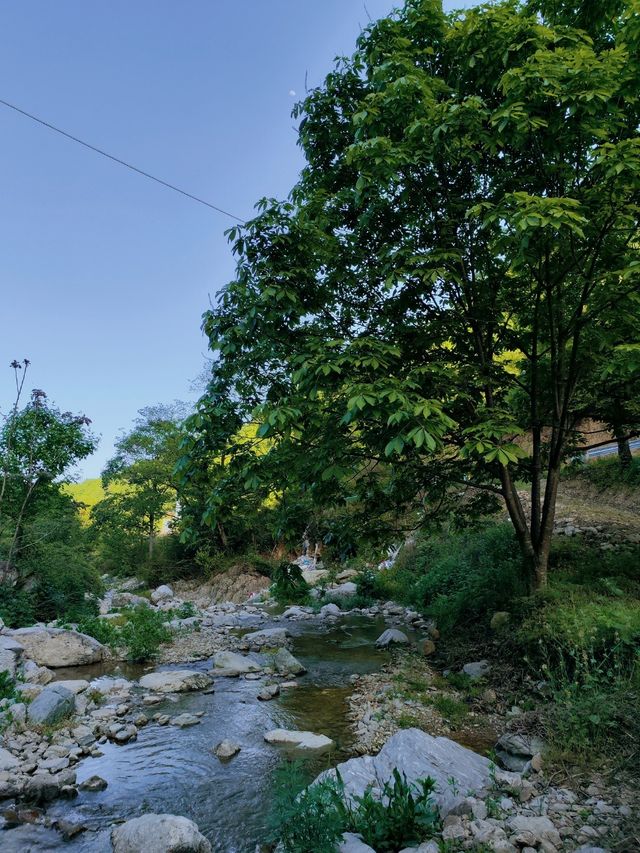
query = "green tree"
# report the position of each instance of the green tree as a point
(142, 469)
(38, 445)
(467, 213)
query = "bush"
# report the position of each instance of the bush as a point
(144, 633)
(289, 587)
(312, 819)
(102, 630)
(454, 579)
(17, 606)
(605, 473)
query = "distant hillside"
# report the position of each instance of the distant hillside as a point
(89, 492)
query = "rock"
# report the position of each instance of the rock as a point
(56, 647)
(352, 843)
(234, 663)
(515, 751)
(54, 703)
(93, 783)
(295, 612)
(269, 692)
(10, 653)
(183, 721)
(391, 636)
(226, 749)
(343, 590)
(541, 828)
(499, 620)
(267, 637)
(455, 770)
(8, 761)
(175, 681)
(159, 833)
(124, 599)
(477, 669)
(330, 610)
(83, 735)
(300, 740)
(161, 593)
(34, 674)
(286, 663)
(426, 647)
(75, 685)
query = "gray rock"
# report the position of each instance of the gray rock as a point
(34, 674)
(10, 653)
(286, 663)
(159, 833)
(352, 843)
(296, 612)
(234, 663)
(343, 590)
(476, 669)
(175, 681)
(269, 692)
(183, 721)
(515, 751)
(93, 783)
(8, 761)
(419, 755)
(299, 740)
(58, 647)
(391, 636)
(330, 610)
(267, 637)
(162, 593)
(226, 749)
(54, 703)
(541, 828)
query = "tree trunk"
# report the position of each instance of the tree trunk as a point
(624, 450)
(151, 536)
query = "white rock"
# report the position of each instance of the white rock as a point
(10, 653)
(175, 681)
(300, 740)
(75, 685)
(235, 662)
(343, 590)
(352, 843)
(541, 828)
(56, 647)
(391, 636)
(162, 593)
(159, 833)
(330, 610)
(419, 755)
(267, 637)
(226, 749)
(8, 761)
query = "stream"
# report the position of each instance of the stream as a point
(174, 771)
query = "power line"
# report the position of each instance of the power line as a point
(117, 160)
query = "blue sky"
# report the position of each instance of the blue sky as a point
(104, 275)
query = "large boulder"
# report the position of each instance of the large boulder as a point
(455, 770)
(267, 637)
(175, 681)
(51, 705)
(58, 647)
(232, 662)
(343, 590)
(8, 761)
(159, 833)
(286, 663)
(10, 653)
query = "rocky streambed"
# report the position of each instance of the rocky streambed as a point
(153, 744)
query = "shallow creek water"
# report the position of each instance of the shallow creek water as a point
(174, 771)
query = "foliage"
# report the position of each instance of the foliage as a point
(7, 687)
(606, 473)
(312, 819)
(454, 578)
(143, 633)
(306, 819)
(289, 587)
(17, 606)
(141, 471)
(102, 630)
(454, 267)
(403, 816)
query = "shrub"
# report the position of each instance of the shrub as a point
(102, 630)
(605, 473)
(17, 606)
(144, 633)
(312, 819)
(289, 587)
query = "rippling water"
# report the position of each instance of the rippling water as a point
(174, 771)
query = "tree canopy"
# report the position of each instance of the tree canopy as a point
(413, 325)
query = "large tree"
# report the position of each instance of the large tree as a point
(415, 319)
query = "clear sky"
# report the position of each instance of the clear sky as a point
(103, 274)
